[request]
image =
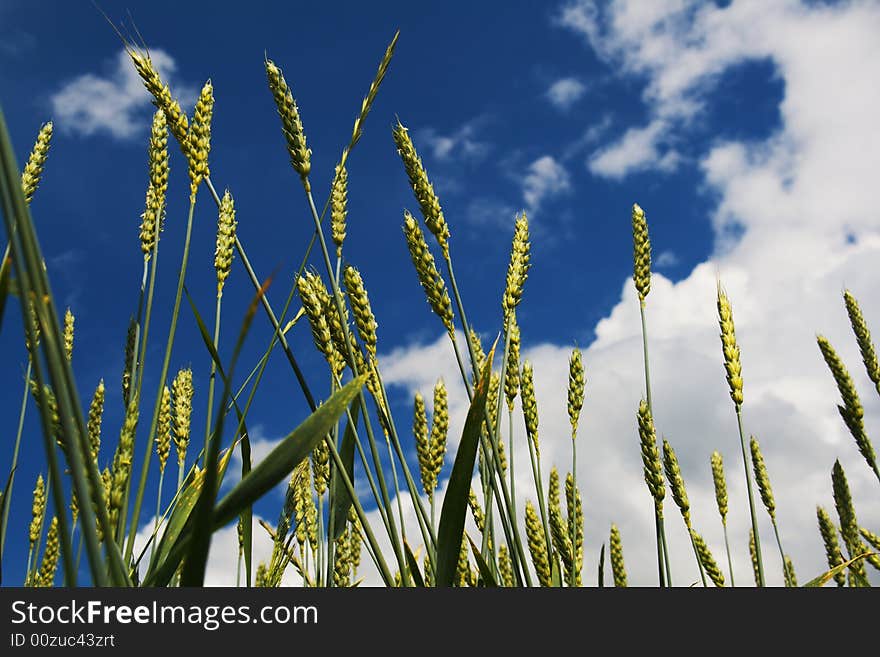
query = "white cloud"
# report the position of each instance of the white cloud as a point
(117, 103)
(786, 206)
(462, 143)
(565, 92)
(545, 178)
(666, 259)
(637, 150)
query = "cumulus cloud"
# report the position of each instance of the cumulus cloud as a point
(545, 178)
(115, 103)
(794, 224)
(565, 92)
(463, 143)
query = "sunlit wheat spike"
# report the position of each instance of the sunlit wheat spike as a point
(863, 337)
(354, 547)
(518, 267)
(422, 187)
(302, 501)
(106, 485)
(762, 478)
(559, 527)
(162, 98)
(430, 279)
(321, 467)
(339, 208)
(46, 575)
(617, 567)
(790, 575)
(849, 525)
(261, 575)
(676, 482)
(130, 346)
(38, 509)
(753, 555)
(182, 391)
(851, 411)
(511, 373)
(342, 564)
(48, 397)
(730, 348)
(575, 389)
(653, 467)
(479, 353)
(224, 249)
(641, 253)
(317, 318)
(367, 103)
(492, 404)
(575, 511)
(529, 404)
(439, 429)
(68, 334)
(720, 485)
(163, 429)
(707, 560)
(122, 460)
(199, 138)
(154, 210)
(476, 511)
(871, 537)
(364, 319)
(33, 170)
(537, 545)
(291, 123)
(505, 567)
(423, 444)
(338, 327)
(74, 506)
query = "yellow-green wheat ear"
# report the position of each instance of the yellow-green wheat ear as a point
(653, 467)
(762, 478)
(518, 267)
(511, 374)
(537, 545)
(558, 526)
(68, 334)
(676, 482)
(45, 577)
(753, 555)
(339, 208)
(849, 525)
(199, 138)
(439, 429)
(851, 412)
(829, 540)
(154, 210)
(223, 251)
(863, 337)
(732, 364)
(33, 170)
(182, 393)
(871, 537)
(309, 286)
(617, 567)
(707, 560)
(321, 467)
(720, 485)
(790, 575)
(422, 188)
(530, 404)
(291, 123)
(163, 429)
(162, 99)
(575, 390)
(429, 278)
(641, 253)
(575, 511)
(423, 444)
(505, 567)
(122, 460)
(38, 509)
(364, 319)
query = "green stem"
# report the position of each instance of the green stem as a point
(665, 550)
(645, 350)
(742, 442)
(729, 561)
(7, 500)
(781, 552)
(158, 511)
(661, 570)
(213, 376)
(145, 469)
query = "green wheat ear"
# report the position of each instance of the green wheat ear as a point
(617, 566)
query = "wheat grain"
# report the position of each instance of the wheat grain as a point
(617, 566)
(429, 277)
(575, 390)
(33, 169)
(653, 468)
(68, 334)
(38, 509)
(537, 545)
(575, 512)
(223, 251)
(676, 482)
(641, 253)
(339, 208)
(291, 123)
(720, 486)
(707, 560)
(364, 319)
(182, 391)
(199, 138)
(163, 429)
(511, 374)
(529, 404)
(518, 267)
(863, 337)
(732, 363)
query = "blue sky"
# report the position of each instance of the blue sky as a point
(750, 152)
